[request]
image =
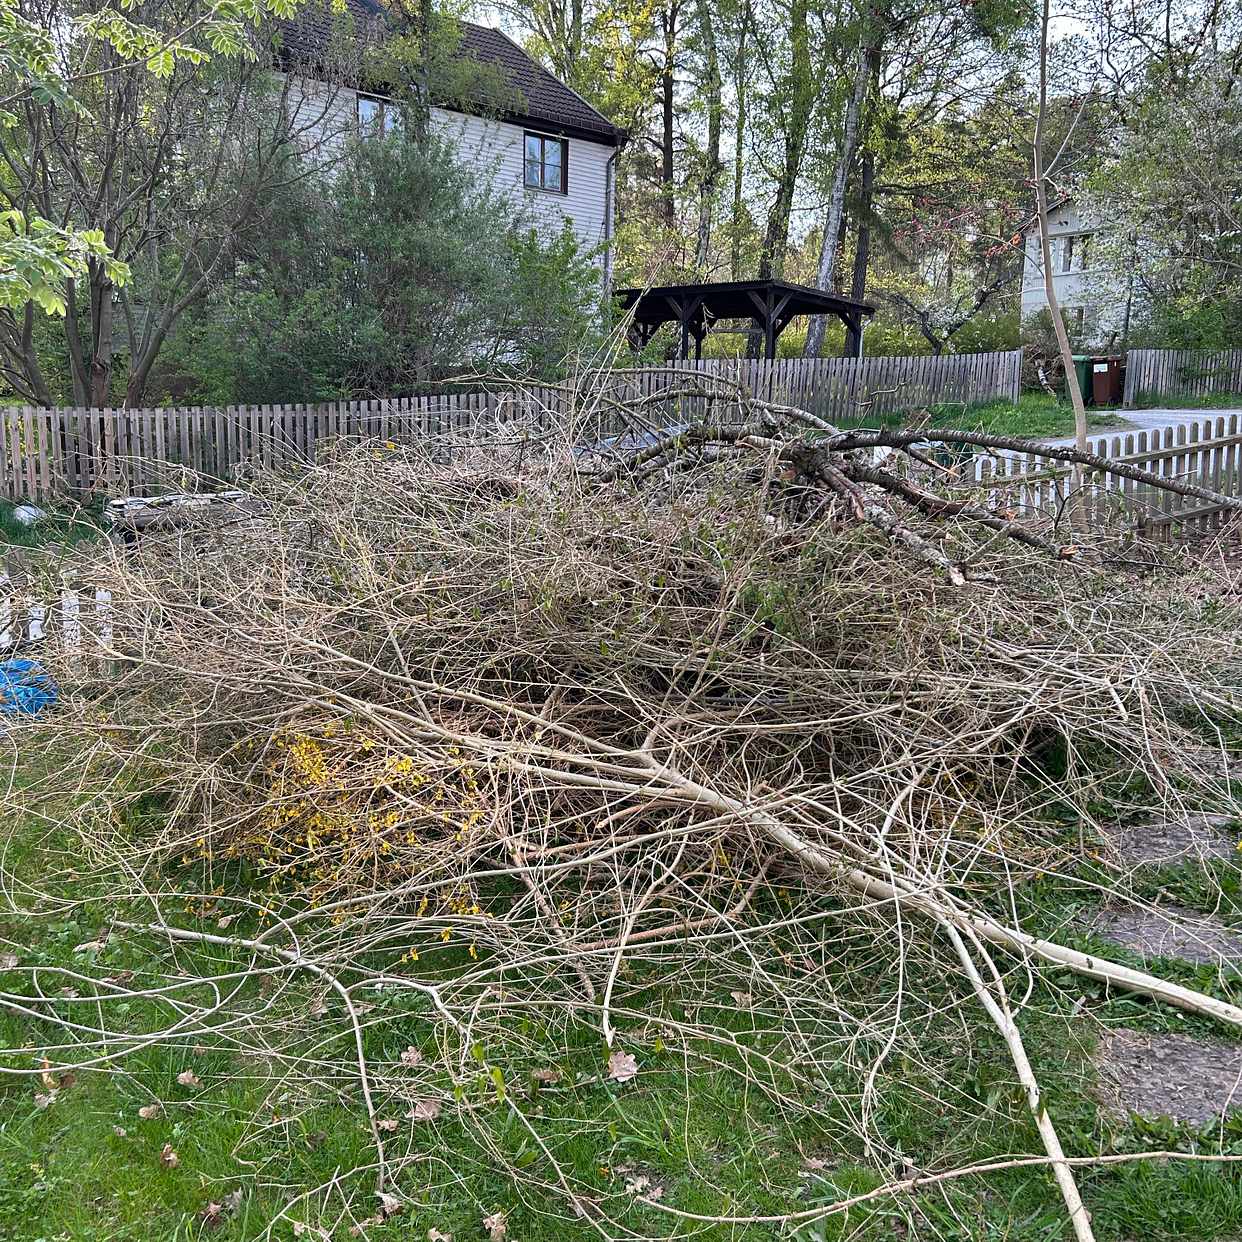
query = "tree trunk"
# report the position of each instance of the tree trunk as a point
(739, 136)
(797, 119)
(1045, 246)
(835, 217)
(711, 169)
(668, 88)
(862, 243)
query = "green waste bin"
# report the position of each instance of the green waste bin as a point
(1082, 366)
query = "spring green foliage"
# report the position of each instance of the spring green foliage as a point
(37, 257)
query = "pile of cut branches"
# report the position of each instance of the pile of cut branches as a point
(568, 711)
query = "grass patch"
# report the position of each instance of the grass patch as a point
(1174, 401)
(1036, 416)
(61, 526)
(695, 1125)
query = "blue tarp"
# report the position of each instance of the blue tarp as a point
(25, 688)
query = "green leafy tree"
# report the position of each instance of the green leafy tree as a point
(44, 54)
(400, 272)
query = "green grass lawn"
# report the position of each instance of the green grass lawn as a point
(62, 525)
(1037, 416)
(1212, 401)
(710, 1126)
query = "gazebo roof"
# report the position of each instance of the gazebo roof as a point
(737, 299)
(771, 304)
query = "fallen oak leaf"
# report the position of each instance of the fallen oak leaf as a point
(188, 1078)
(424, 1110)
(435, 1235)
(147, 1111)
(169, 1158)
(496, 1227)
(545, 1077)
(390, 1205)
(411, 1056)
(387, 1124)
(622, 1066)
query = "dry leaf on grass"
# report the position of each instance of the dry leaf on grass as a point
(387, 1124)
(120, 1131)
(545, 1077)
(424, 1110)
(169, 1158)
(43, 1101)
(8, 961)
(622, 1066)
(744, 1000)
(644, 1187)
(411, 1056)
(188, 1078)
(147, 1111)
(496, 1227)
(436, 1235)
(389, 1206)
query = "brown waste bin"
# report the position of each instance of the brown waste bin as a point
(1106, 380)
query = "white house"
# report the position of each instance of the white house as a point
(1095, 298)
(545, 147)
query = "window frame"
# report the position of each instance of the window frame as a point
(390, 113)
(544, 140)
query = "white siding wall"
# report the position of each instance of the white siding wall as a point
(493, 149)
(1098, 291)
(323, 116)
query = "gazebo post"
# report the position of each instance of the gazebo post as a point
(853, 335)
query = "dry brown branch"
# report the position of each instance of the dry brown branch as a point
(508, 731)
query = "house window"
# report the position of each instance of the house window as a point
(1067, 254)
(546, 163)
(377, 117)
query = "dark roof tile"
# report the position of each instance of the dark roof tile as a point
(541, 98)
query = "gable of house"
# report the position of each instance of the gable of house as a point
(538, 142)
(1092, 295)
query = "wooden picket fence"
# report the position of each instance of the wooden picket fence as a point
(49, 453)
(1207, 452)
(1152, 374)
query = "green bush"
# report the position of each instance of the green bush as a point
(396, 271)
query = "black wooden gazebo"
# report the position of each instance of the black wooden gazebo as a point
(770, 304)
